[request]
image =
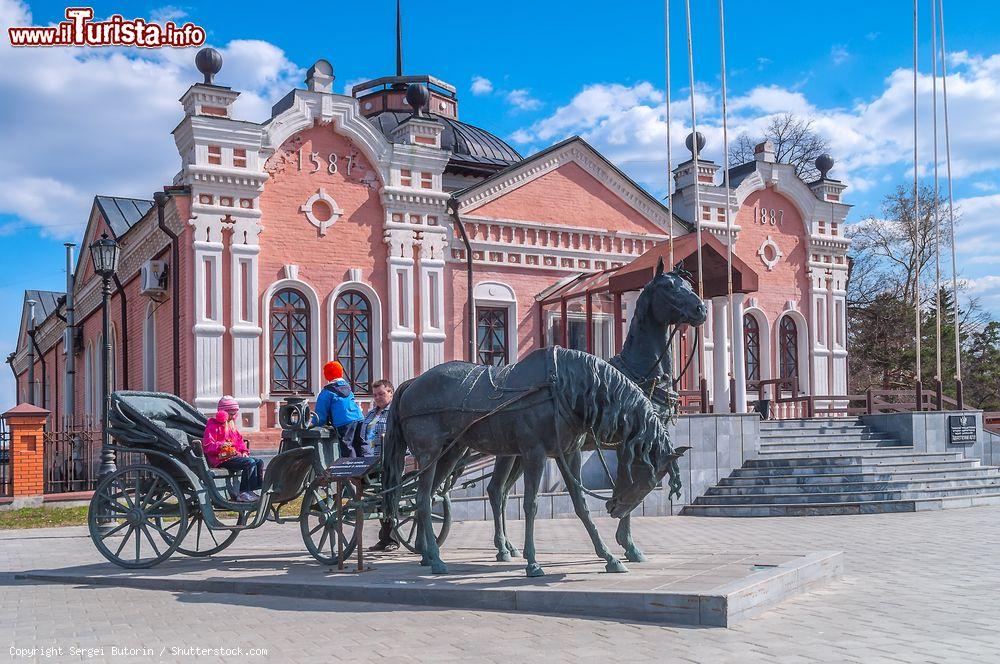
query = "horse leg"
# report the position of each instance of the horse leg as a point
(498, 501)
(515, 472)
(571, 469)
(624, 537)
(429, 549)
(533, 466)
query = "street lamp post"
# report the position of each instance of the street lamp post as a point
(104, 253)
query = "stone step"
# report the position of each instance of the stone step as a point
(846, 496)
(858, 458)
(830, 509)
(859, 487)
(792, 447)
(772, 470)
(812, 424)
(824, 436)
(861, 477)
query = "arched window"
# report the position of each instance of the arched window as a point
(290, 343)
(352, 316)
(751, 347)
(788, 348)
(149, 350)
(491, 336)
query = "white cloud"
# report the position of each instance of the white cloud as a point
(986, 285)
(839, 54)
(522, 100)
(481, 86)
(98, 121)
(985, 186)
(772, 99)
(167, 13)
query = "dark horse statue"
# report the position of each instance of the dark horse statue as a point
(646, 359)
(544, 406)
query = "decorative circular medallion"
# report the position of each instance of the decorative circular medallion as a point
(321, 211)
(770, 253)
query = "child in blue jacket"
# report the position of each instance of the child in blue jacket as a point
(336, 407)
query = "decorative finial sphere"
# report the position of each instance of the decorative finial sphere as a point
(689, 142)
(416, 97)
(209, 62)
(824, 163)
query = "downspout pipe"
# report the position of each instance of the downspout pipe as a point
(69, 343)
(31, 352)
(45, 372)
(470, 312)
(121, 294)
(160, 198)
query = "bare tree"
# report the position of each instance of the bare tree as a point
(893, 249)
(795, 142)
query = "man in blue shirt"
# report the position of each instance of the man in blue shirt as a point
(373, 431)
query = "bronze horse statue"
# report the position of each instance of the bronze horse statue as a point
(646, 359)
(544, 406)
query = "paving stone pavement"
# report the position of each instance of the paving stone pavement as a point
(920, 587)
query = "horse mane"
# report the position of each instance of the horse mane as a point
(604, 400)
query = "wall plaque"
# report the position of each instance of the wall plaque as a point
(962, 430)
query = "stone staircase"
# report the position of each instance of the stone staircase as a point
(840, 466)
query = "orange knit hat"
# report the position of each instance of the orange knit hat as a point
(333, 370)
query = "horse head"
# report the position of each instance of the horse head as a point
(635, 480)
(670, 300)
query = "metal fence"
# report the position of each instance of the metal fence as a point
(72, 456)
(6, 469)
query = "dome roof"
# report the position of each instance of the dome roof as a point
(474, 150)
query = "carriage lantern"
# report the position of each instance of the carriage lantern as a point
(104, 253)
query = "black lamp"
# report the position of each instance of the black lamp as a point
(104, 253)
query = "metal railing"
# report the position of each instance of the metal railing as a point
(72, 456)
(788, 403)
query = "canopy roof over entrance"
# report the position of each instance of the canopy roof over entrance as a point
(637, 274)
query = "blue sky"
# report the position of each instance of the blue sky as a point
(80, 123)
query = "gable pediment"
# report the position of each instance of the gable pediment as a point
(570, 185)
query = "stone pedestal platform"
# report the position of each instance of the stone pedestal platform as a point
(689, 588)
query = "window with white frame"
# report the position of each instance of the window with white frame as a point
(602, 328)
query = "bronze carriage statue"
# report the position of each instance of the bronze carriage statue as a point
(170, 500)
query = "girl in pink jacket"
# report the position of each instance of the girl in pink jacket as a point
(225, 448)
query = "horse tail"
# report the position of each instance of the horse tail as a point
(393, 453)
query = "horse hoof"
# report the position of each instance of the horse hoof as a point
(615, 566)
(534, 569)
(635, 556)
(503, 557)
(439, 568)
(514, 552)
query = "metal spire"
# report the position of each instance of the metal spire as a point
(399, 41)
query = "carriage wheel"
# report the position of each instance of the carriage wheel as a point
(201, 541)
(320, 525)
(137, 516)
(405, 527)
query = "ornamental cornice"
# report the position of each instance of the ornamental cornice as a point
(476, 219)
(405, 196)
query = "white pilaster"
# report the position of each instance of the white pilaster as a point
(739, 358)
(432, 334)
(720, 355)
(208, 326)
(246, 329)
(401, 309)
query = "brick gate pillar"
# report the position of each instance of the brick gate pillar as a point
(26, 424)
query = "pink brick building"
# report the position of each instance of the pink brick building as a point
(329, 232)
